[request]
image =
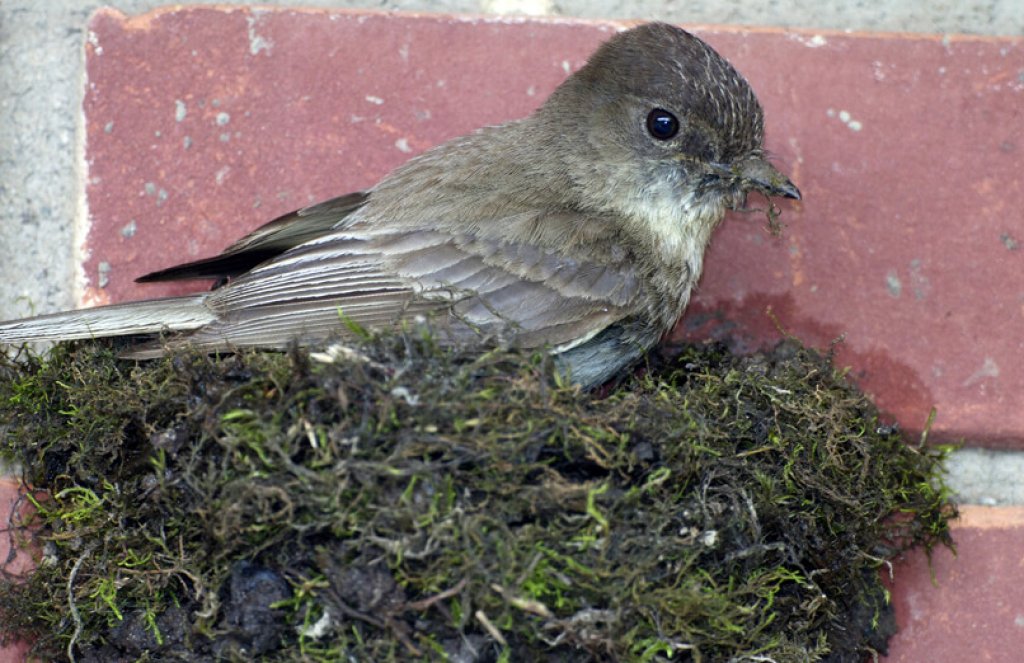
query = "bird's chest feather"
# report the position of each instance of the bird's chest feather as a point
(679, 230)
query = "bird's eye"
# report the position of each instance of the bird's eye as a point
(661, 124)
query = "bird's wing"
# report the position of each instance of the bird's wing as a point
(266, 242)
(379, 277)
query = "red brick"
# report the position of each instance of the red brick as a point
(13, 563)
(966, 607)
(908, 151)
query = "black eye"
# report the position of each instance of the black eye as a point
(661, 124)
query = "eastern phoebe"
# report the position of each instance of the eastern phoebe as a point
(581, 228)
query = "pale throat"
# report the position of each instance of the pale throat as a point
(677, 230)
(680, 227)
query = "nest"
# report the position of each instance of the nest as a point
(397, 500)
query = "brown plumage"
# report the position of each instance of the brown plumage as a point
(581, 228)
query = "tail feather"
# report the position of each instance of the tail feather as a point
(145, 317)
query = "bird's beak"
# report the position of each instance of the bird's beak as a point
(761, 176)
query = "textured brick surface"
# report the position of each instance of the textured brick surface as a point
(203, 123)
(14, 561)
(965, 607)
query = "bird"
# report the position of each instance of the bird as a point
(580, 229)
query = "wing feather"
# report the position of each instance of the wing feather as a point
(383, 275)
(266, 242)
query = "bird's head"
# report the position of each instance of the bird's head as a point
(659, 120)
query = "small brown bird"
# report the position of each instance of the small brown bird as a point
(581, 228)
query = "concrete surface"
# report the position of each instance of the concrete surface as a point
(40, 99)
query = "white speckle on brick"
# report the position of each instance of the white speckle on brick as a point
(256, 42)
(814, 41)
(846, 118)
(893, 284)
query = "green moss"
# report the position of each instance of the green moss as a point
(407, 502)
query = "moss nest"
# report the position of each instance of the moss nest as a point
(395, 500)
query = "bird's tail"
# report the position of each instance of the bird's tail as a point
(145, 317)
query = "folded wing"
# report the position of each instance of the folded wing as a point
(529, 295)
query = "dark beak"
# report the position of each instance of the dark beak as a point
(761, 176)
